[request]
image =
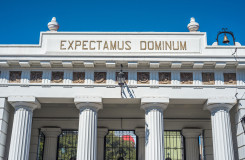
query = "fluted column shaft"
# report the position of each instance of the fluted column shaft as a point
(87, 132)
(154, 129)
(101, 138)
(191, 143)
(221, 131)
(21, 132)
(140, 132)
(50, 147)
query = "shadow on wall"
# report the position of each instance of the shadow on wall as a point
(147, 133)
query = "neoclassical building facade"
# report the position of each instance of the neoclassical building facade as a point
(181, 99)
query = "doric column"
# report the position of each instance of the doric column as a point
(101, 138)
(87, 132)
(191, 143)
(221, 127)
(140, 132)
(50, 147)
(154, 130)
(21, 131)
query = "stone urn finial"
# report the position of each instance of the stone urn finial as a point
(53, 25)
(193, 26)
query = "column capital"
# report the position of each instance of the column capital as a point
(140, 132)
(154, 102)
(218, 103)
(191, 132)
(88, 102)
(102, 132)
(24, 101)
(51, 132)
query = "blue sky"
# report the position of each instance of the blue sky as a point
(22, 21)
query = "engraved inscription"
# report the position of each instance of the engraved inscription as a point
(36, 77)
(14, 76)
(99, 77)
(230, 78)
(186, 78)
(57, 77)
(125, 75)
(208, 78)
(164, 77)
(143, 77)
(102, 45)
(78, 77)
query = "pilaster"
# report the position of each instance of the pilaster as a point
(102, 132)
(140, 132)
(34, 143)
(51, 137)
(191, 143)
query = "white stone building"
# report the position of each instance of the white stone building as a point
(175, 84)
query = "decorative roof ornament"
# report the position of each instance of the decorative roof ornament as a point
(193, 26)
(53, 25)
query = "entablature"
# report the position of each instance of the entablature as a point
(129, 62)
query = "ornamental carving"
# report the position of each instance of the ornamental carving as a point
(57, 77)
(164, 78)
(230, 78)
(125, 75)
(208, 78)
(143, 77)
(14, 76)
(78, 77)
(186, 78)
(99, 77)
(36, 77)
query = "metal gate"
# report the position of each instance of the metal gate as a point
(67, 145)
(174, 145)
(121, 144)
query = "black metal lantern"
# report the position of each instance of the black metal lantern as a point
(243, 123)
(226, 40)
(121, 77)
(121, 80)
